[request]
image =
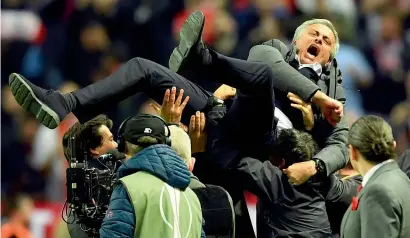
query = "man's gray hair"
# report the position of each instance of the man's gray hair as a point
(324, 22)
(181, 143)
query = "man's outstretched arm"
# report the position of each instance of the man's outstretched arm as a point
(287, 79)
(334, 155)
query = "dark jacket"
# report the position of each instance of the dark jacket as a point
(333, 140)
(158, 160)
(284, 210)
(217, 209)
(338, 198)
(404, 162)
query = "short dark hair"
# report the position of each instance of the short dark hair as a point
(294, 146)
(373, 138)
(87, 136)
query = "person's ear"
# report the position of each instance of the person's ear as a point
(191, 164)
(94, 152)
(394, 144)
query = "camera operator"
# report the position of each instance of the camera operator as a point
(94, 137)
(152, 198)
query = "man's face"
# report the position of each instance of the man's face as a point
(315, 44)
(108, 142)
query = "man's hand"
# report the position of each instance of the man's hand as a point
(305, 108)
(197, 132)
(225, 92)
(299, 173)
(171, 110)
(331, 109)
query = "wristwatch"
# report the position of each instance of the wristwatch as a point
(320, 166)
(214, 102)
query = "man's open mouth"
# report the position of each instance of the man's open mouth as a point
(313, 50)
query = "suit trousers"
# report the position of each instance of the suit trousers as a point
(253, 79)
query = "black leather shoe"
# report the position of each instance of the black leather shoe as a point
(48, 106)
(190, 43)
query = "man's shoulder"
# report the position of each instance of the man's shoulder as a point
(141, 179)
(392, 184)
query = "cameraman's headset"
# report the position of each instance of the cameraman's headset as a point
(121, 130)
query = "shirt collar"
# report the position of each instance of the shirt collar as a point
(315, 66)
(370, 173)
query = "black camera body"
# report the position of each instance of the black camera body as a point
(89, 190)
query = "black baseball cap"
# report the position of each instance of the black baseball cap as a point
(145, 125)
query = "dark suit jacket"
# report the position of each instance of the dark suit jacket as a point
(333, 140)
(383, 206)
(404, 162)
(338, 198)
(284, 210)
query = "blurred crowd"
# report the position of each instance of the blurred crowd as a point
(67, 44)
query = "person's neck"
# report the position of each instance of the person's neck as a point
(365, 167)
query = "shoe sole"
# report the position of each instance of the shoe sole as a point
(190, 35)
(24, 96)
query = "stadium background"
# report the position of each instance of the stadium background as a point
(67, 44)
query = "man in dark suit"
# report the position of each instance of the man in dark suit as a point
(313, 51)
(284, 210)
(380, 208)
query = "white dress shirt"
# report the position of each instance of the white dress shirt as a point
(315, 66)
(283, 121)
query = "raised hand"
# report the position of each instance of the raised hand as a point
(305, 108)
(172, 106)
(197, 132)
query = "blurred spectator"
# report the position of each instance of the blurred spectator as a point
(22, 26)
(346, 8)
(385, 53)
(357, 74)
(19, 212)
(18, 130)
(400, 120)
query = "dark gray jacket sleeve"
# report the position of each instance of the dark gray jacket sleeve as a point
(286, 78)
(343, 190)
(333, 140)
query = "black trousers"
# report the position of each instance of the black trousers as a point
(253, 79)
